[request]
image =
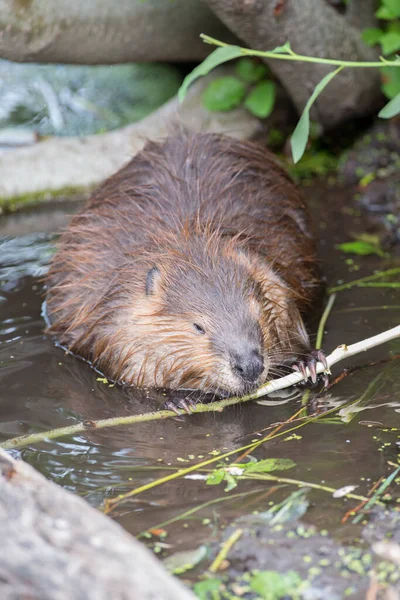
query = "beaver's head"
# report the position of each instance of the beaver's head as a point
(207, 317)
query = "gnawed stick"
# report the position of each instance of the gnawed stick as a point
(342, 352)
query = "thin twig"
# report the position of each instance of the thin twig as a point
(111, 503)
(369, 308)
(350, 284)
(323, 320)
(226, 547)
(270, 435)
(380, 284)
(300, 483)
(342, 352)
(374, 500)
(300, 57)
(353, 511)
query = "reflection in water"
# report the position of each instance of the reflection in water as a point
(42, 388)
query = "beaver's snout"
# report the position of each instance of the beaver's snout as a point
(248, 365)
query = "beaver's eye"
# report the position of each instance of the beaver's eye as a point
(198, 328)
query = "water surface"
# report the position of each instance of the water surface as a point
(42, 388)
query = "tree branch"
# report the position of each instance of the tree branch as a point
(342, 352)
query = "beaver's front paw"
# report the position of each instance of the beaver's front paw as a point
(310, 361)
(178, 404)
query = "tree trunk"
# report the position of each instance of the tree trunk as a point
(55, 546)
(313, 28)
(106, 32)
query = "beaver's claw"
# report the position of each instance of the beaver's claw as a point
(185, 404)
(311, 362)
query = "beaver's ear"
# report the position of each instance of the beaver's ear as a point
(153, 280)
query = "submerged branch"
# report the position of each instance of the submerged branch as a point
(226, 547)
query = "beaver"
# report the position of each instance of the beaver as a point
(192, 267)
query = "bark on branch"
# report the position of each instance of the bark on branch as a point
(313, 28)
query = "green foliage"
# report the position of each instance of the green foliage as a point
(291, 508)
(390, 42)
(267, 465)
(389, 9)
(218, 57)
(224, 93)
(362, 247)
(260, 101)
(371, 36)
(390, 83)
(301, 133)
(180, 562)
(209, 589)
(271, 585)
(231, 473)
(267, 585)
(250, 71)
(388, 38)
(315, 162)
(227, 93)
(391, 109)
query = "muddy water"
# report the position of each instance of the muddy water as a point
(42, 388)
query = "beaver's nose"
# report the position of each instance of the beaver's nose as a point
(248, 366)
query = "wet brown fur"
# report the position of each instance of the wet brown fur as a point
(231, 238)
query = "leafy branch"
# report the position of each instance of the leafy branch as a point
(226, 52)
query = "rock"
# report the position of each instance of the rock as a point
(372, 166)
(55, 546)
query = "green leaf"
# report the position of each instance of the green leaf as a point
(269, 464)
(224, 93)
(300, 135)
(250, 70)
(261, 99)
(371, 36)
(219, 56)
(216, 477)
(383, 13)
(285, 49)
(231, 482)
(391, 109)
(271, 585)
(180, 562)
(390, 81)
(390, 42)
(208, 589)
(291, 509)
(391, 8)
(361, 248)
